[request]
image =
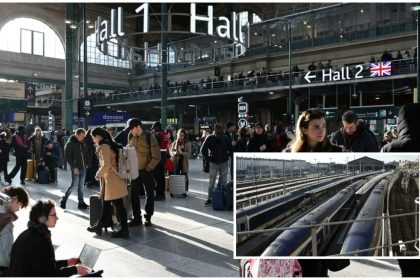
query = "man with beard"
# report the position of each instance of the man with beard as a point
(354, 136)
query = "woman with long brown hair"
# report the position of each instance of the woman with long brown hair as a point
(311, 134)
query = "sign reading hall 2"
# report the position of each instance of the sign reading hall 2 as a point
(379, 69)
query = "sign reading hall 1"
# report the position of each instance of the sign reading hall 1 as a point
(379, 69)
(222, 27)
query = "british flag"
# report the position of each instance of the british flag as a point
(380, 69)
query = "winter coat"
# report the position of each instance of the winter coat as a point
(6, 237)
(112, 186)
(217, 148)
(186, 151)
(20, 147)
(256, 141)
(364, 142)
(408, 139)
(32, 147)
(53, 158)
(4, 151)
(76, 154)
(122, 137)
(148, 157)
(33, 256)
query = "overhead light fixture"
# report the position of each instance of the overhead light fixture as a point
(256, 33)
(308, 26)
(73, 26)
(182, 49)
(377, 97)
(192, 106)
(87, 21)
(304, 22)
(35, 74)
(76, 76)
(361, 11)
(273, 35)
(91, 26)
(271, 92)
(354, 95)
(68, 21)
(215, 41)
(128, 73)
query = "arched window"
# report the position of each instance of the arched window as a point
(31, 36)
(96, 57)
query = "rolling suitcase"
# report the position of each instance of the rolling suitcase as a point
(218, 198)
(43, 176)
(177, 185)
(30, 169)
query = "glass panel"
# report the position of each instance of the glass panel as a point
(25, 41)
(38, 43)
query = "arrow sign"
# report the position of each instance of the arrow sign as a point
(308, 76)
(87, 114)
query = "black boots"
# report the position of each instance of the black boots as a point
(96, 228)
(122, 233)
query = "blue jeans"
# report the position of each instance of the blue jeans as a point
(215, 168)
(79, 181)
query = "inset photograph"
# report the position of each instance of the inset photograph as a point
(326, 204)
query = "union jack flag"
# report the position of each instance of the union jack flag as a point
(380, 69)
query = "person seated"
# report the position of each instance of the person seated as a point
(18, 199)
(33, 252)
(51, 157)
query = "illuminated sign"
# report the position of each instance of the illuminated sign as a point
(379, 69)
(222, 27)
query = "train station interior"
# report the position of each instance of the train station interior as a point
(68, 65)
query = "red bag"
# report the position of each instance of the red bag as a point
(169, 165)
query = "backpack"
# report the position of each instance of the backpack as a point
(128, 165)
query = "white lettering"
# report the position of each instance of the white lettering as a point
(324, 75)
(113, 23)
(103, 34)
(208, 19)
(120, 22)
(360, 67)
(235, 37)
(336, 76)
(145, 9)
(226, 27)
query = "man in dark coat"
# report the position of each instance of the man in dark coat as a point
(77, 157)
(20, 145)
(354, 136)
(122, 136)
(408, 124)
(159, 172)
(259, 141)
(231, 133)
(4, 152)
(216, 150)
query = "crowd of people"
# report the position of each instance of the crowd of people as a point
(93, 155)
